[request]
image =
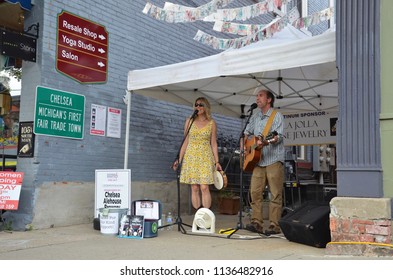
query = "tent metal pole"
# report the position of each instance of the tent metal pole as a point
(127, 140)
(279, 82)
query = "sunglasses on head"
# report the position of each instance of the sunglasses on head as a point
(199, 105)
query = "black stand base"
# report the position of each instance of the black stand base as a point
(179, 224)
(232, 230)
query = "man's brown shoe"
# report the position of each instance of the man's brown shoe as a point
(273, 230)
(254, 227)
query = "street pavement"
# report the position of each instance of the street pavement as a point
(83, 242)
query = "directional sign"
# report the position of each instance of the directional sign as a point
(82, 49)
(59, 113)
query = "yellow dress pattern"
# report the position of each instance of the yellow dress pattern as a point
(198, 161)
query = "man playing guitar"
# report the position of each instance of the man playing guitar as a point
(269, 170)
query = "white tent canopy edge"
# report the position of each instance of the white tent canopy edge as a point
(228, 79)
(276, 53)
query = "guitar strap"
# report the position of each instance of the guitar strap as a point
(269, 124)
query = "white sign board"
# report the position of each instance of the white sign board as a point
(112, 189)
(310, 128)
(114, 122)
(149, 209)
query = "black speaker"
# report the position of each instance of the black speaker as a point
(308, 224)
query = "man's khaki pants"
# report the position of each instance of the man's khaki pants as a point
(272, 176)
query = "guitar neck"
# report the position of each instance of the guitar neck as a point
(271, 135)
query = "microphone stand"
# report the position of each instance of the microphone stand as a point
(241, 140)
(179, 221)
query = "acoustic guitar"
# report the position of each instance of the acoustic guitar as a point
(253, 152)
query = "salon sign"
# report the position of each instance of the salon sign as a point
(10, 187)
(82, 48)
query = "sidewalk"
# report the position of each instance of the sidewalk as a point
(82, 242)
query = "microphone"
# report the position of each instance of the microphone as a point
(253, 106)
(194, 114)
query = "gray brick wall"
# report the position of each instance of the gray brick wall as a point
(58, 187)
(135, 41)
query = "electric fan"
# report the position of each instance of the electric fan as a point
(204, 221)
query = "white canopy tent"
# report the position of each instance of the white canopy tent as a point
(299, 69)
(305, 64)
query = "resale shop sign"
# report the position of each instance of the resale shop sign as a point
(82, 48)
(59, 113)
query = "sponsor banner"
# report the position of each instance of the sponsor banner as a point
(310, 128)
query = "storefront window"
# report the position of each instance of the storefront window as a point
(9, 127)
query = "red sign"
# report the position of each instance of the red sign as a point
(10, 187)
(82, 49)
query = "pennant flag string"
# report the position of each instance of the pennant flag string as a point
(250, 33)
(314, 18)
(180, 8)
(211, 11)
(248, 12)
(237, 28)
(222, 44)
(247, 29)
(177, 13)
(259, 34)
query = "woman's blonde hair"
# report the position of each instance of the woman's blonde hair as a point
(205, 102)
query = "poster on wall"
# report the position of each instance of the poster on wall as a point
(26, 140)
(98, 120)
(10, 187)
(114, 122)
(112, 189)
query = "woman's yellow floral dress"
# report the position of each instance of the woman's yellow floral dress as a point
(198, 161)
